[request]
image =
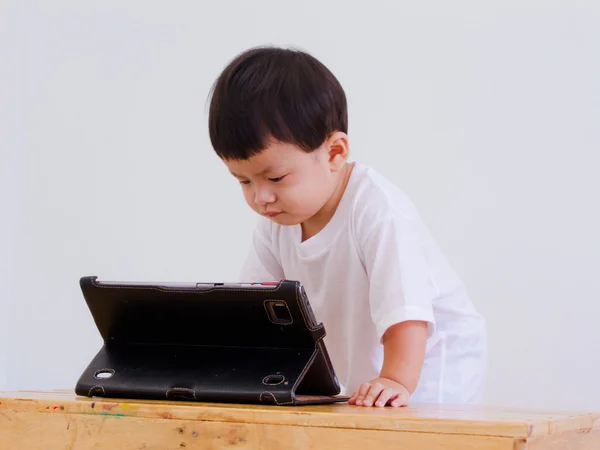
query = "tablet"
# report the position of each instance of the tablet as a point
(255, 342)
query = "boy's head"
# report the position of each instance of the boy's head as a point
(278, 120)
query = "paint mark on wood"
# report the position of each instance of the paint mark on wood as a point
(100, 413)
(236, 436)
(109, 407)
(93, 405)
(194, 434)
(107, 414)
(165, 415)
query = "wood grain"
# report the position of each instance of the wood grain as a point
(421, 418)
(60, 419)
(561, 437)
(82, 432)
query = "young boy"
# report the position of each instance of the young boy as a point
(399, 323)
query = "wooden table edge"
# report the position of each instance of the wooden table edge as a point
(331, 416)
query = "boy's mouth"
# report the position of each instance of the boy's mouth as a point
(271, 214)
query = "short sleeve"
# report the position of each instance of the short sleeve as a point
(261, 263)
(401, 287)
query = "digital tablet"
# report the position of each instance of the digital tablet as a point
(254, 342)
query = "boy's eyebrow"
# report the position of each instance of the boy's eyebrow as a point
(262, 172)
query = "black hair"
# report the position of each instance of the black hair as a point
(270, 92)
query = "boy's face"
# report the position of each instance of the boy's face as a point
(287, 184)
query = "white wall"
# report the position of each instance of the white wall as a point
(486, 113)
(8, 202)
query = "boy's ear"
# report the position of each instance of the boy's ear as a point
(338, 150)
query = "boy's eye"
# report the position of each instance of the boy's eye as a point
(277, 179)
(244, 181)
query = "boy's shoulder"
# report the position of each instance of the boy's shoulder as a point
(374, 197)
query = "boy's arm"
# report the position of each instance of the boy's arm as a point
(403, 352)
(400, 297)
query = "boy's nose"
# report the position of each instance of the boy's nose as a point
(263, 197)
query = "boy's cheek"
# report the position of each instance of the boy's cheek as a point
(249, 200)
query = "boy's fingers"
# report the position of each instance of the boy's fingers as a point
(373, 394)
(402, 400)
(364, 388)
(352, 399)
(385, 396)
(362, 392)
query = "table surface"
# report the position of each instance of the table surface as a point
(520, 425)
(476, 420)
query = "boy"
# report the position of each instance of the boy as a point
(399, 322)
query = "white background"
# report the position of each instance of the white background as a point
(486, 113)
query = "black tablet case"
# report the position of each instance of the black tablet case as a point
(225, 344)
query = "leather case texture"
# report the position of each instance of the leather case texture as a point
(221, 343)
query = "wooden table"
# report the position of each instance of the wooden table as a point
(61, 420)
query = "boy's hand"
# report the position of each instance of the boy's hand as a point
(380, 392)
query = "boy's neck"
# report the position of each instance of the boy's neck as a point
(317, 222)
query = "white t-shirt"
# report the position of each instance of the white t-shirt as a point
(372, 266)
